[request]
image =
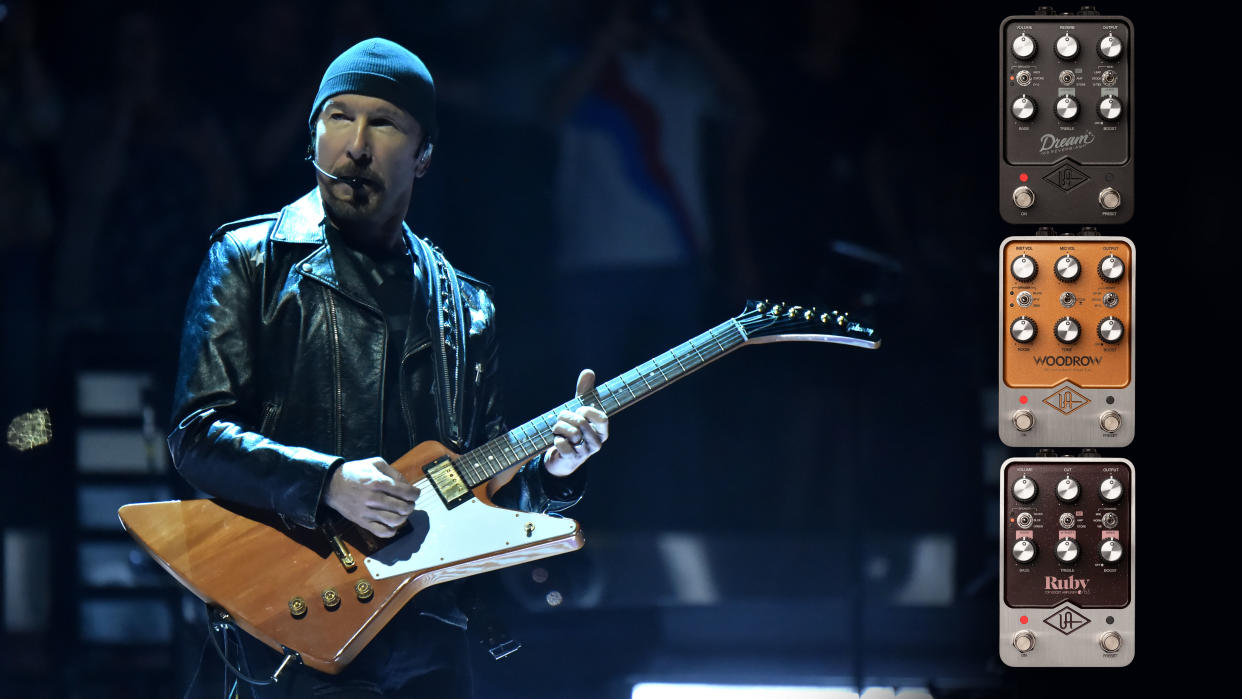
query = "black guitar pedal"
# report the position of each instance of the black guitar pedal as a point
(1067, 119)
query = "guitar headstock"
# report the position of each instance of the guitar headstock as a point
(764, 321)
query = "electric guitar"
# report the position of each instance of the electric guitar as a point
(325, 593)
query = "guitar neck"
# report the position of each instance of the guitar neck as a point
(612, 397)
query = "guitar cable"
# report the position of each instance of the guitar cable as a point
(222, 624)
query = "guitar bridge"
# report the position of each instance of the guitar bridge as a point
(447, 482)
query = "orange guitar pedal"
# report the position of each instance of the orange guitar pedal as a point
(1066, 341)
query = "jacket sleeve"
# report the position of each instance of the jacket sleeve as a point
(217, 411)
(532, 489)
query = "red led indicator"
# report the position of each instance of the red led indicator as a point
(1011, 77)
(1022, 400)
(1023, 177)
(1022, 619)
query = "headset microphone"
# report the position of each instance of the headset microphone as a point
(351, 181)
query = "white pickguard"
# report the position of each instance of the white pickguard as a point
(441, 537)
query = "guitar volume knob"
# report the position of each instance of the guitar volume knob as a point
(331, 600)
(297, 607)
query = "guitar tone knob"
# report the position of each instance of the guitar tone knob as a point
(331, 600)
(363, 590)
(297, 607)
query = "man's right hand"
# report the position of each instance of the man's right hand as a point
(371, 494)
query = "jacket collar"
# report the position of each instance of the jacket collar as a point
(304, 221)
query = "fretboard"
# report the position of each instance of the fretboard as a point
(612, 397)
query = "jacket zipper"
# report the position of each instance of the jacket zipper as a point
(474, 412)
(269, 418)
(405, 406)
(336, 361)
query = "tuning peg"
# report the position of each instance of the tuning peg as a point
(823, 318)
(807, 315)
(777, 309)
(793, 312)
(762, 306)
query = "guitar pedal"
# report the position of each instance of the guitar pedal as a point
(1067, 119)
(1066, 341)
(1067, 562)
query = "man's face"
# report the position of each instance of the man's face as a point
(376, 141)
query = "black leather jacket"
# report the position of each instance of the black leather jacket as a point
(282, 368)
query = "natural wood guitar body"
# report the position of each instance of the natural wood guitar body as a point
(251, 564)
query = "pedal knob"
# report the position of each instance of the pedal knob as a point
(1109, 48)
(1067, 47)
(1067, 108)
(1024, 550)
(1024, 641)
(1067, 550)
(1110, 550)
(1109, 108)
(1023, 47)
(1024, 489)
(1022, 329)
(1067, 330)
(1067, 268)
(1068, 490)
(1111, 489)
(1023, 108)
(1110, 330)
(1023, 268)
(1111, 268)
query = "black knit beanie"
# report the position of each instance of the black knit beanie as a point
(383, 69)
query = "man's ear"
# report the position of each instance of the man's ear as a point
(423, 161)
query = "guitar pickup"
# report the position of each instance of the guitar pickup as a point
(447, 482)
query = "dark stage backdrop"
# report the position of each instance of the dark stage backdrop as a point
(625, 179)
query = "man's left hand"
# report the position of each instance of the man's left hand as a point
(579, 433)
